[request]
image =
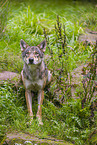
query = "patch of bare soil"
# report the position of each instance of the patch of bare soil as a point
(77, 78)
(89, 37)
(11, 77)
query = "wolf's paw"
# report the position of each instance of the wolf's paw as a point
(31, 118)
(39, 120)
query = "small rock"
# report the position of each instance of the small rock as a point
(18, 144)
(28, 143)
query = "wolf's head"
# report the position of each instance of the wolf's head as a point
(33, 54)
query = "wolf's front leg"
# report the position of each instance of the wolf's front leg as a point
(49, 77)
(29, 102)
(40, 102)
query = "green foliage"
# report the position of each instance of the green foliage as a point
(27, 23)
(70, 122)
(3, 16)
(12, 111)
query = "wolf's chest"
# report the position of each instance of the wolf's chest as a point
(33, 85)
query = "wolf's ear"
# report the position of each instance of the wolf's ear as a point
(42, 46)
(23, 45)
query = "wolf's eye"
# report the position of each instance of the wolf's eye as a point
(27, 54)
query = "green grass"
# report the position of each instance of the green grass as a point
(12, 110)
(65, 123)
(26, 20)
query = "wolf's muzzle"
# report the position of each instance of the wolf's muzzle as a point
(31, 60)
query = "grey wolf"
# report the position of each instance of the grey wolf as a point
(35, 75)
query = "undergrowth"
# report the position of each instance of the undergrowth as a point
(12, 111)
(75, 119)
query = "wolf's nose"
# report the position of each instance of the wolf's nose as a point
(31, 60)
